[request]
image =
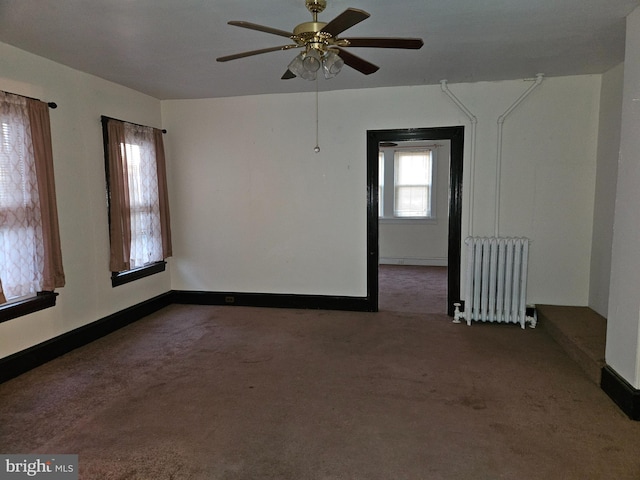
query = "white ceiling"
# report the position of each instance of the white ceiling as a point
(167, 48)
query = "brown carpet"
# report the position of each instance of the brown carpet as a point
(200, 392)
(412, 289)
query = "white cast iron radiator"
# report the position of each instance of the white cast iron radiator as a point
(496, 281)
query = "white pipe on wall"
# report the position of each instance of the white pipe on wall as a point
(501, 118)
(472, 162)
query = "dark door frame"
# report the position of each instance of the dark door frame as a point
(456, 136)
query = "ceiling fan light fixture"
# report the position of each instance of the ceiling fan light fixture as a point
(306, 64)
(295, 66)
(331, 64)
(309, 75)
(312, 60)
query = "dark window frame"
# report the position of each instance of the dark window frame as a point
(19, 308)
(126, 276)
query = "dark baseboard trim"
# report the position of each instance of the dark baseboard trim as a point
(274, 300)
(25, 360)
(32, 357)
(621, 392)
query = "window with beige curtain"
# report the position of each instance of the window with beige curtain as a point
(30, 253)
(138, 204)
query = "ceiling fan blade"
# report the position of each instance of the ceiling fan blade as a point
(261, 28)
(347, 19)
(255, 52)
(388, 42)
(357, 63)
(288, 75)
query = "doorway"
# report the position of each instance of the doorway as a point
(456, 137)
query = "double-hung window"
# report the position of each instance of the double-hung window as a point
(138, 205)
(30, 253)
(406, 187)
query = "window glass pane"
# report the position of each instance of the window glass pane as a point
(412, 172)
(146, 241)
(21, 241)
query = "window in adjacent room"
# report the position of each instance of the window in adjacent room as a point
(138, 205)
(30, 253)
(406, 176)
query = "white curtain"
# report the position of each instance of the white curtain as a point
(140, 154)
(21, 239)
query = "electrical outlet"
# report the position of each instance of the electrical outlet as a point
(229, 299)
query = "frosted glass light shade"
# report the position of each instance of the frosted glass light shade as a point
(296, 65)
(312, 61)
(331, 64)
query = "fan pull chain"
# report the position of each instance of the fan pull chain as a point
(317, 148)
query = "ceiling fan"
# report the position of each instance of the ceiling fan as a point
(322, 47)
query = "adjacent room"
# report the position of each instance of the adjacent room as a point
(297, 307)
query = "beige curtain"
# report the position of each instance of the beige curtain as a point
(140, 224)
(120, 226)
(163, 195)
(30, 254)
(53, 273)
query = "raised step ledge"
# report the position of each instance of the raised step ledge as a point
(581, 332)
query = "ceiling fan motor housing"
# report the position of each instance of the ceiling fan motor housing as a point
(308, 29)
(311, 35)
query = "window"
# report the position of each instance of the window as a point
(412, 184)
(30, 254)
(138, 206)
(409, 172)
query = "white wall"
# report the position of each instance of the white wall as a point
(256, 210)
(80, 185)
(547, 185)
(421, 243)
(623, 326)
(605, 195)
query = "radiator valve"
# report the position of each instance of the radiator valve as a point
(457, 314)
